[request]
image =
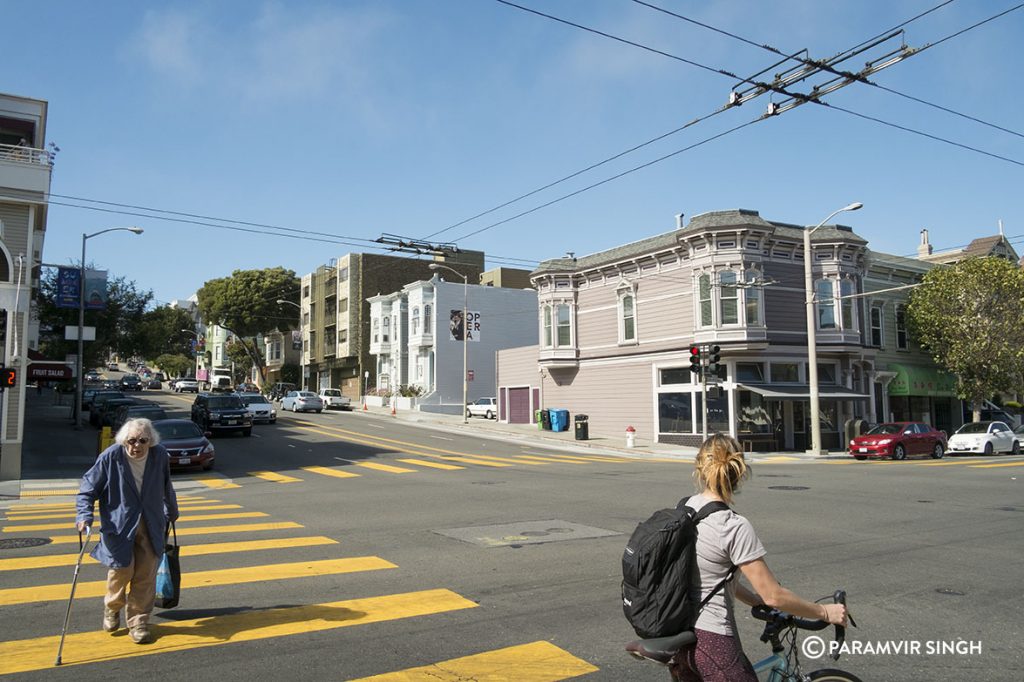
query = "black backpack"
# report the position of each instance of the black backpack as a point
(660, 586)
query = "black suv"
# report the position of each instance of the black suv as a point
(131, 382)
(221, 412)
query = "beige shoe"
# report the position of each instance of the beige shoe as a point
(140, 634)
(111, 620)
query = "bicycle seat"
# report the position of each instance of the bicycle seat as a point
(660, 649)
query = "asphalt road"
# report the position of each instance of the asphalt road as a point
(475, 557)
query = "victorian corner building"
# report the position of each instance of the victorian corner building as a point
(615, 330)
(25, 166)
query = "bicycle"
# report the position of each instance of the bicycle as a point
(780, 631)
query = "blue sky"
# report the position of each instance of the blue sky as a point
(359, 118)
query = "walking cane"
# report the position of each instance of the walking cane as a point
(74, 583)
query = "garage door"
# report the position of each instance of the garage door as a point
(519, 405)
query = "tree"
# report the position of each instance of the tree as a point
(241, 362)
(161, 332)
(970, 318)
(245, 304)
(174, 365)
(118, 325)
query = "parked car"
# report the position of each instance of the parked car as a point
(111, 385)
(93, 375)
(483, 407)
(105, 414)
(302, 401)
(261, 409)
(186, 385)
(187, 445)
(332, 397)
(221, 412)
(112, 367)
(898, 440)
(150, 411)
(984, 437)
(96, 405)
(154, 385)
(131, 382)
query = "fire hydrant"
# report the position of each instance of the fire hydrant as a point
(630, 436)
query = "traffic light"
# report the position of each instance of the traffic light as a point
(714, 356)
(8, 377)
(695, 359)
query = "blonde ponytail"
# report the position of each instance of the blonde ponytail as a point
(720, 467)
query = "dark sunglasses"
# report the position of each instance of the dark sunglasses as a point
(137, 441)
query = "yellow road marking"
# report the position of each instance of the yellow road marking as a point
(534, 662)
(996, 466)
(203, 530)
(431, 465)
(215, 578)
(274, 477)
(470, 460)
(183, 519)
(54, 560)
(70, 513)
(327, 471)
(780, 458)
(70, 506)
(581, 458)
(945, 464)
(216, 482)
(536, 459)
(92, 647)
(376, 466)
(47, 493)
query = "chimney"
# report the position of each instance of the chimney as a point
(679, 221)
(924, 248)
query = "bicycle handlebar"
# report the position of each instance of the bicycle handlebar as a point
(839, 597)
(776, 620)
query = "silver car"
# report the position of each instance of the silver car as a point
(302, 401)
(261, 409)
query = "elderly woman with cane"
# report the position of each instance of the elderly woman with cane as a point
(132, 481)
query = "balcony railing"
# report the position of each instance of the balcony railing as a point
(23, 154)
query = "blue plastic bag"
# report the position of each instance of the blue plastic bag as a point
(168, 576)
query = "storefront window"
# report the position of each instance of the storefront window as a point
(718, 414)
(675, 413)
(753, 416)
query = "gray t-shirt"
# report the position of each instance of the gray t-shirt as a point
(724, 539)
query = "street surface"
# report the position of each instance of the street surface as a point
(348, 546)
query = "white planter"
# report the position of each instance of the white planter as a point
(374, 400)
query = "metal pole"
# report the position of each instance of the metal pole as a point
(81, 346)
(704, 391)
(812, 350)
(465, 347)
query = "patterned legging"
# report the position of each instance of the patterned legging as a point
(714, 658)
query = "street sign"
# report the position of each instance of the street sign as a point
(71, 333)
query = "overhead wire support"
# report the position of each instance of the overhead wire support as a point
(394, 242)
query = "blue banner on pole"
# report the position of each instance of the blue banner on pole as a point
(95, 289)
(67, 287)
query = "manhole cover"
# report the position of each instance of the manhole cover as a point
(525, 533)
(1007, 509)
(17, 543)
(926, 501)
(950, 592)
(788, 487)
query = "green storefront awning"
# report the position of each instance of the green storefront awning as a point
(916, 380)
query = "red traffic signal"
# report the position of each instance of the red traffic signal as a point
(695, 359)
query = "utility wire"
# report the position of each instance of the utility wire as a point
(811, 62)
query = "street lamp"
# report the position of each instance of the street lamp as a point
(812, 350)
(302, 363)
(465, 335)
(81, 314)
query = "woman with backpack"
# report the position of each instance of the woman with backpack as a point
(726, 541)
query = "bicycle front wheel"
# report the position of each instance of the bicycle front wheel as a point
(832, 675)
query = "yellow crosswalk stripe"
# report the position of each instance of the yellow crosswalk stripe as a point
(49, 493)
(54, 560)
(275, 477)
(532, 459)
(92, 647)
(839, 461)
(214, 578)
(327, 471)
(470, 460)
(70, 506)
(534, 662)
(70, 513)
(997, 466)
(216, 482)
(572, 458)
(377, 466)
(431, 465)
(183, 519)
(203, 530)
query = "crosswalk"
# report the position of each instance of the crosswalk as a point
(26, 581)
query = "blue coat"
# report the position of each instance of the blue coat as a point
(110, 481)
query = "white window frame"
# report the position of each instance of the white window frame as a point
(847, 309)
(879, 309)
(547, 339)
(728, 293)
(825, 306)
(560, 326)
(705, 301)
(752, 295)
(414, 321)
(901, 329)
(627, 293)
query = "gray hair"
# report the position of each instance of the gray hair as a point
(138, 426)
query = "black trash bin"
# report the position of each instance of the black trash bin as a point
(545, 420)
(582, 423)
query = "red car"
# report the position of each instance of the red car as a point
(187, 445)
(898, 440)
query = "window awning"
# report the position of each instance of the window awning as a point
(920, 381)
(802, 392)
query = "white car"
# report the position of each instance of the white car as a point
(332, 397)
(985, 438)
(302, 401)
(483, 407)
(261, 409)
(186, 386)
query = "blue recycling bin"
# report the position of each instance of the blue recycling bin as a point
(559, 420)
